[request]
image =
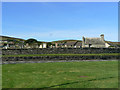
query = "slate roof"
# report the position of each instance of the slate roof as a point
(111, 44)
(71, 43)
(97, 41)
(78, 44)
(61, 44)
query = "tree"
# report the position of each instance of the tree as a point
(31, 41)
(39, 43)
(49, 43)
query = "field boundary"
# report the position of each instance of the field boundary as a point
(28, 55)
(51, 61)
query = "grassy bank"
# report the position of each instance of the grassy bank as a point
(100, 74)
(28, 55)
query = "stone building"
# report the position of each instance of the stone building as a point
(44, 45)
(112, 44)
(70, 44)
(94, 42)
(78, 45)
(60, 45)
(73, 44)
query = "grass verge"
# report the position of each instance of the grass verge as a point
(28, 55)
(100, 74)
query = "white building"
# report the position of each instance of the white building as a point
(44, 45)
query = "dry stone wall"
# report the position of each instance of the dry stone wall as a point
(60, 51)
(45, 58)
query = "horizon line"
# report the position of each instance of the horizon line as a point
(52, 40)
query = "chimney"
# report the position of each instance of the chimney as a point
(102, 36)
(83, 42)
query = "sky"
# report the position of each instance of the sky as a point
(51, 21)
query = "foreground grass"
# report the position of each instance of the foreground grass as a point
(0, 76)
(28, 55)
(99, 74)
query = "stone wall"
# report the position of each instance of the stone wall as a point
(60, 51)
(59, 58)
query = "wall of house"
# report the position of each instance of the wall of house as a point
(107, 45)
(95, 45)
(60, 51)
(98, 46)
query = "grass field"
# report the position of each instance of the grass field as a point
(98, 74)
(28, 55)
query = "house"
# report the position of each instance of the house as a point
(3, 44)
(73, 44)
(61, 44)
(78, 45)
(6, 44)
(40, 46)
(112, 44)
(94, 42)
(44, 45)
(57, 45)
(70, 44)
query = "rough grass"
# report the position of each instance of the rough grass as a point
(98, 74)
(28, 55)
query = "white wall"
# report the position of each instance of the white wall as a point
(107, 45)
(44, 45)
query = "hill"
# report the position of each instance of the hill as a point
(10, 38)
(13, 38)
(115, 44)
(59, 41)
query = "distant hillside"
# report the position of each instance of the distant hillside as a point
(13, 38)
(59, 41)
(118, 43)
(10, 38)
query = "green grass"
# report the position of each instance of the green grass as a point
(28, 55)
(0, 76)
(99, 74)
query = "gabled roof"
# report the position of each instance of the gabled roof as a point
(99, 41)
(111, 44)
(78, 44)
(71, 43)
(61, 43)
